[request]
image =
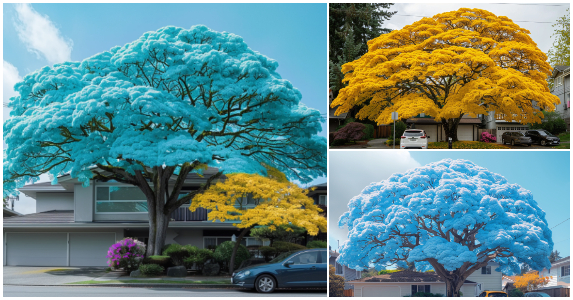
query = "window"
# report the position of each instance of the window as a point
(339, 269)
(246, 241)
(486, 270)
(420, 289)
(120, 199)
(306, 258)
(559, 80)
(322, 200)
(565, 271)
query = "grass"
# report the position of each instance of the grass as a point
(564, 137)
(562, 146)
(154, 281)
(466, 145)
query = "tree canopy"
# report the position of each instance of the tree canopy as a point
(530, 281)
(560, 53)
(249, 200)
(468, 61)
(451, 216)
(172, 102)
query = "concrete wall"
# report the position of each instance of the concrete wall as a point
(186, 237)
(54, 201)
(84, 203)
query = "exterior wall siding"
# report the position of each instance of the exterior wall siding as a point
(406, 288)
(54, 201)
(490, 282)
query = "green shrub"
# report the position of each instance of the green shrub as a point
(178, 253)
(338, 142)
(268, 252)
(551, 122)
(199, 259)
(515, 293)
(424, 294)
(400, 128)
(368, 131)
(224, 251)
(316, 244)
(151, 269)
(164, 261)
(382, 272)
(389, 142)
(282, 247)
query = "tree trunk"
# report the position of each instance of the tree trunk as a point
(235, 248)
(453, 287)
(451, 128)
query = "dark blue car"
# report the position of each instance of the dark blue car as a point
(295, 269)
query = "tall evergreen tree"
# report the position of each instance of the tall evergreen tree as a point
(351, 26)
(554, 256)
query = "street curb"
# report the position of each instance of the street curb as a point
(154, 285)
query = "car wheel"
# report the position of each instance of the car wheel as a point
(512, 142)
(265, 284)
(543, 143)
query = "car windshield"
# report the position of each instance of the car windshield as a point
(497, 295)
(545, 133)
(413, 133)
(282, 257)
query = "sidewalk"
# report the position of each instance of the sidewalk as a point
(64, 276)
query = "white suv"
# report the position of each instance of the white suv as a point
(414, 138)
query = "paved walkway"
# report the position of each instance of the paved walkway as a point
(35, 276)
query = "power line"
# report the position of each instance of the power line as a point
(530, 4)
(561, 222)
(513, 21)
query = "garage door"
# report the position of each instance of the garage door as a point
(431, 130)
(502, 129)
(465, 133)
(379, 291)
(36, 249)
(90, 249)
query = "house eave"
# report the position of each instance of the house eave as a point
(400, 282)
(199, 224)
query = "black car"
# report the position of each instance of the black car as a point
(542, 137)
(515, 137)
(295, 269)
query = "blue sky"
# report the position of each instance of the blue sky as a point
(295, 35)
(545, 173)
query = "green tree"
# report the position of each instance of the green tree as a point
(335, 283)
(351, 26)
(552, 122)
(554, 256)
(559, 54)
(287, 233)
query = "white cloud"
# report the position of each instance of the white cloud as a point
(40, 35)
(349, 172)
(11, 77)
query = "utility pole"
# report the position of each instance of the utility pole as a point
(394, 118)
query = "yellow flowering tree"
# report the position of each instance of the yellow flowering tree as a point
(468, 61)
(277, 202)
(530, 281)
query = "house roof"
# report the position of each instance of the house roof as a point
(10, 213)
(432, 121)
(405, 276)
(561, 260)
(557, 69)
(52, 216)
(319, 189)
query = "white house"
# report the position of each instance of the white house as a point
(75, 225)
(559, 272)
(406, 283)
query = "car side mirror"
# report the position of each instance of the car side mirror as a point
(290, 262)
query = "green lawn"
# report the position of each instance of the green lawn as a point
(564, 137)
(562, 146)
(154, 281)
(466, 145)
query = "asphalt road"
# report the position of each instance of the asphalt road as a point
(64, 291)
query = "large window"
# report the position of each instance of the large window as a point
(565, 271)
(420, 288)
(120, 199)
(486, 270)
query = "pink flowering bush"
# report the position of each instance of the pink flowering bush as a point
(487, 137)
(126, 254)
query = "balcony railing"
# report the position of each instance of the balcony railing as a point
(184, 214)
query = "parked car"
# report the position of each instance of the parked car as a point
(493, 294)
(515, 137)
(414, 138)
(536, 294)
(294, 269)
(542, 137)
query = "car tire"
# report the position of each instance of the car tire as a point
(543, 143)
(512, 142)
(265, 284)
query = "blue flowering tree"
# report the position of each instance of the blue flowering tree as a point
(451, 216)
(149, 113)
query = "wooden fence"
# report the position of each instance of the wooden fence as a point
(383, 131)
(348, 293)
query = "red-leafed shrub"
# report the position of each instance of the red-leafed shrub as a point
(351, 132)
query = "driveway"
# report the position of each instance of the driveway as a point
(50, 275)
(533, 146)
